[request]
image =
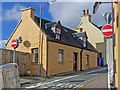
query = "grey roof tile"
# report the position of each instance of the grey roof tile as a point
(66, 37)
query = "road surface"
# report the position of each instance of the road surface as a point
(71, 81)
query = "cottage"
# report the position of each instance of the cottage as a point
(94, 33)
(61, 49)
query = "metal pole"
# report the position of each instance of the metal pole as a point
(113, 38)
(110, 62)
(39, 54)
(109, 58)
(14, 56)
(39, 50)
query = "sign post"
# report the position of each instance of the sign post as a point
(14, 44)
(107, 32)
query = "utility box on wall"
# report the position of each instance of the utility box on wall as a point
(9, 76)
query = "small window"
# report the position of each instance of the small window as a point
(35, 55)
(58, 31)
(113, 15)
(117, 21)
(87, 59)
(58, 34)
(60, 55)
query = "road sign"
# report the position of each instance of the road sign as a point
(107, 30)
(14, 43)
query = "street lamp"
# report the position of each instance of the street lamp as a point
(40, 43)
(96, 5)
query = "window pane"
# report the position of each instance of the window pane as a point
(87, 59)
(33, 60)
(84, 44)
(58, 36)
(35, 55)
(84, 39)
(58, 31)
(60, 56)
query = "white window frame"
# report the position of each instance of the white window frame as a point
(60, 55)
(34, 53)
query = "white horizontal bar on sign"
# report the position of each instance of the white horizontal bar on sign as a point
(13, 43)
(107, 30)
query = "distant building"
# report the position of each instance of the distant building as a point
(94, 34)
(61, 49)
(116, 27)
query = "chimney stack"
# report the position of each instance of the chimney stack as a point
(28, 12)
(83, 12)
(86, 17)
(87, 11)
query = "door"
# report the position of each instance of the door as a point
(74, 61)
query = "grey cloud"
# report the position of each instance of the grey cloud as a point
(69, 13)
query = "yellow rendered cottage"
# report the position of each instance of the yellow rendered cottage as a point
(61, 49)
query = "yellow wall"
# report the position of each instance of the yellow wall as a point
(29, 31)
(55, 67)
(117, 43)
(92, 59)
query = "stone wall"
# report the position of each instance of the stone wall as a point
(21, 58)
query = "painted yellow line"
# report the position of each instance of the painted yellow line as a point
(85, 82)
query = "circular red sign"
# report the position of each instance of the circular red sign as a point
(107, 30)
(14, 43)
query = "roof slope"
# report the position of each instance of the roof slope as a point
(68, 36)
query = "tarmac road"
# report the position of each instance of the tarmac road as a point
(70, 81)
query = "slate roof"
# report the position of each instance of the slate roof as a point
(68, 36)
(97, 26)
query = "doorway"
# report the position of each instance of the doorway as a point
(74, 61)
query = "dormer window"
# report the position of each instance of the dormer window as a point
(84, 42)
(82, 36)
(58, 34)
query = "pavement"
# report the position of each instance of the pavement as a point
(95, 82)
(31, 79)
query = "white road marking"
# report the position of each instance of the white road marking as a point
(63, 79)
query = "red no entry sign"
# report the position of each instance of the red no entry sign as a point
(14, 43)
(107, 30)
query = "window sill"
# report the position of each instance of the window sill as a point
(61, 62)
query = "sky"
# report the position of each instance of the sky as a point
(68, 13)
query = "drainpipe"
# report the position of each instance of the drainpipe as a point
(81, 59)
(47, 60)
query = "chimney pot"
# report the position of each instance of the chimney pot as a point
(87, 11)
(83, 12)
